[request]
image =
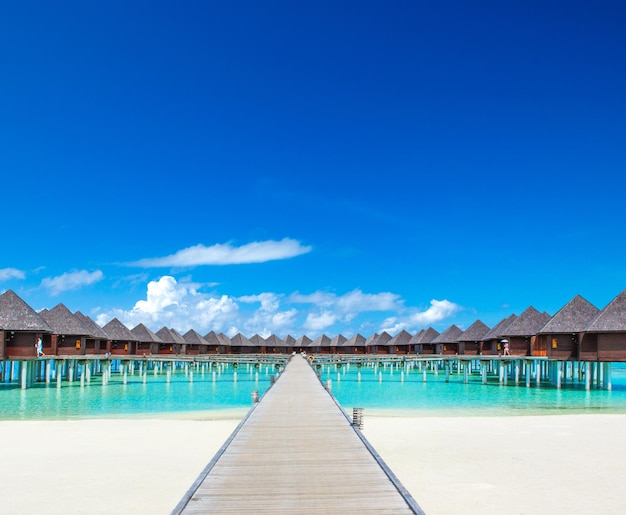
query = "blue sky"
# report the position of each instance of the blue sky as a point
(312, 167)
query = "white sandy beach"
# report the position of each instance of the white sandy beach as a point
(549, 464)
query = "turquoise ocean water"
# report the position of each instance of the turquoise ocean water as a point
(383, 393)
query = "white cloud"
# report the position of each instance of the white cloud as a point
(181, 304)
(11, 273)
(71, 281)
(178, 305)
(345, 307)
(268, 319)
(226, 254)
(438, 310)
(319, 321)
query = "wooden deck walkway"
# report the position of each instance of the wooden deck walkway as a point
(297, 452)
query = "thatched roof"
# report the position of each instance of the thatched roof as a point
(612, 318)
(289, 340)
(382, 339)
(177, 336)
(427, 336)
(239, 340)
(371, 339)
(402, 338)
(63, 321)
(193, 338)
(474, 333)
(274, 341)
(574, 317)
(497, 330)
(213, 340)
(450, 335)
(16, 315)
(166, 335)
(337, 341)
(95, 331)
(529, 323)
(257, 340)
(145, 335)
(321, 341)
(224, 339)
(304, 341)
(119, 332)
(355, 341)
(415, 338)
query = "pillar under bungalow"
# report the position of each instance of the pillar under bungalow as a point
(58, 364)
(607, 379)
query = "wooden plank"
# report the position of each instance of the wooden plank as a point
(297, 452)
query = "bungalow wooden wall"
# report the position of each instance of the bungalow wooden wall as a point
(612, 347)
(559, 346)
(20, 344)
(519, 345)
(71, 345)
(588, 348)
(469, 348)
(449, 349)
(122, 348)
(165, 348)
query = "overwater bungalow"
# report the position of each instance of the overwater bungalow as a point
(195, 343)
(276, 345)
(216, 345)
(239, 344)
(148, 342)
(470, 340)
(167, 347)
(492, 341)
(321, 345)
(369, 341)
(20, 327)
(123, 341)
(303, 343)
(353, 345)
(447, 342)
(604, 339)
(522, 332)
(559, 337)
(336, 342)
(414, 341)
(224, 343)
(290, 343)
(258, 345)
(97, 341)
(400, 343)
(379, 345)
(69, 334)
(180, 347)
(424, 342)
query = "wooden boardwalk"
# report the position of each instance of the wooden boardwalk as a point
(297, 452)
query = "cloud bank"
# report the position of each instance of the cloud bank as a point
(183, 306)
(226, 254)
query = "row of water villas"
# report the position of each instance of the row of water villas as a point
(580, 338)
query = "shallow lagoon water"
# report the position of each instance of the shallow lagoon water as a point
(436, 397)
(396, 394)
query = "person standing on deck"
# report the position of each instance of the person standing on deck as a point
(39, 347)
